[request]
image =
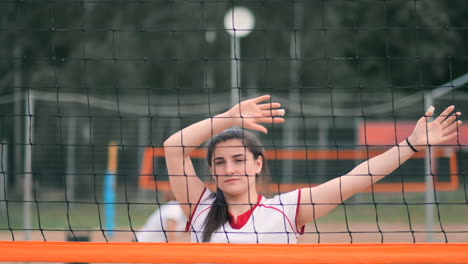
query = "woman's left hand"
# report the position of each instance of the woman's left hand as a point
(253, 112)
(440, 130)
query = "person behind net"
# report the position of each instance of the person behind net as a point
(166, 224)
(236, 213)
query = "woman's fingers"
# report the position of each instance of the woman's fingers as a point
(270, 120)
(255, 111)
(262, 98)
(452, 128)
(430, 111)
(439, 130)
(450, 136)
(269, 106)
(444, 114)
(265, 106)
(449, 120)
(276, 112)
(254, 126)
(266, 120)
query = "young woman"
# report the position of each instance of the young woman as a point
(236, 213)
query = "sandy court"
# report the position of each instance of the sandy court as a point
(384, 233)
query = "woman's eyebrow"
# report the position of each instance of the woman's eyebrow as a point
(234, 156)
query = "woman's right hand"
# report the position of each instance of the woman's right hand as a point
(249, 113)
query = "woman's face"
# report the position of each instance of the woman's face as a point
(234, 167)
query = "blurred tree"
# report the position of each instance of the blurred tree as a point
(401, 43)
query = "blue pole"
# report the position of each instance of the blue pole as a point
(110, 182)
(109, 202)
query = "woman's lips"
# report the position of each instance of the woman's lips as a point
(231, 180)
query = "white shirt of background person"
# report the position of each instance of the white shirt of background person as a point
(167, 224)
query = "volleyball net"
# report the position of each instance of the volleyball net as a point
(91, 89)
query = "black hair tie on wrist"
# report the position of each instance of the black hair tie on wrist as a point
(411, 146)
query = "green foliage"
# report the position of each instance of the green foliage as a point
(162, 45)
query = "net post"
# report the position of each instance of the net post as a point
(70, 162)
(28, 170)
(3, 177)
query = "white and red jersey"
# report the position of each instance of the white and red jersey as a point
(269, 221)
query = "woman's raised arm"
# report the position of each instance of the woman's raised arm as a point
(186, 185)
(317, 201)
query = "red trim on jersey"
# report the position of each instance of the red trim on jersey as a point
(287, 218)
(189, 221)
(204, 210)
(302, 229)
(243, 218)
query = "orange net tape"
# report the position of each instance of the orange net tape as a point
(31, 251)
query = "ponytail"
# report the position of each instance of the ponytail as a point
(217, 216)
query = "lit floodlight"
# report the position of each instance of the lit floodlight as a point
(239, 21)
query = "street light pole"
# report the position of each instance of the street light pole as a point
(429, 158)
(235, 70)
(238, 22)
